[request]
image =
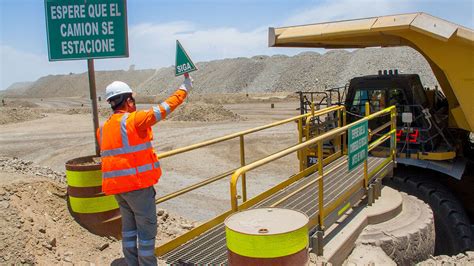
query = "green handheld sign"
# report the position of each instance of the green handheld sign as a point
(183, 62)
(358, 144)
(86, 29)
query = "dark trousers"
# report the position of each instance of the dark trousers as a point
(139, 226)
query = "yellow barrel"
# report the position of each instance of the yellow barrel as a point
(267, 236)
(92, 209)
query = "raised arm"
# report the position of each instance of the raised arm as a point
(146, 119)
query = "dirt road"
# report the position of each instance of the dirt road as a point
(56, 138)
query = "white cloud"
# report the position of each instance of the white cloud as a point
(153, 45)
(17, 65)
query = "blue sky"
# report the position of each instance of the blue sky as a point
(208, 29)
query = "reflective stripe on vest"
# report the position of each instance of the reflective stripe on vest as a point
(127, 148)
(166, 107)
(157, 113)
(131, 171)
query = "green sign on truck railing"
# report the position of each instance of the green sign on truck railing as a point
(85, 29)
(358, 144)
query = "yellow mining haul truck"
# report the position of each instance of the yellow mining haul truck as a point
(434, 140)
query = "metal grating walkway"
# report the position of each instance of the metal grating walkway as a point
(210, 247)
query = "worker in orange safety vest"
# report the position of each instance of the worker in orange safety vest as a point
(130, 166)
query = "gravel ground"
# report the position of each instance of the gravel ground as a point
(10, 115)
(37, 228)
(462, 259)
(18, 166)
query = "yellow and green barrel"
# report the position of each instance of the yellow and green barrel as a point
(267, 236)
(94, 210)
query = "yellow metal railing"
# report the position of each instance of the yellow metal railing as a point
(163, 249)
(239, 173)
(239, 135)
(320, 179)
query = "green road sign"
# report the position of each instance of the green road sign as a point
(358, 144)
(183, 62)
(85, 29)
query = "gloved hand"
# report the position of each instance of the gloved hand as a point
(187, 84)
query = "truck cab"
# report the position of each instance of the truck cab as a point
(424, 138)
(421, 113)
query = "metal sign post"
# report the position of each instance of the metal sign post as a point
(87, 29)
(93, 95)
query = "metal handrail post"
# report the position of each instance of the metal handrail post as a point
(320, 184)
(344, 123)
(300, 140)
(393, 127)
(307, 126)
(242, 163)
(339, 124)
(366, 174)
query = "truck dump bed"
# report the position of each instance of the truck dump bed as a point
(448, 48)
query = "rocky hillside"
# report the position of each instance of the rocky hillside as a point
(76, 84)
(18, 88)
(305, 71)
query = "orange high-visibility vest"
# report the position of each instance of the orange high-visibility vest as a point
(128, 159)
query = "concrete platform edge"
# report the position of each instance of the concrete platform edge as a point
(339, 247)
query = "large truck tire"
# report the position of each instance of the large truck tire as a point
(452, 225)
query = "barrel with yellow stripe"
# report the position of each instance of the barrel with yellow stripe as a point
(94, 210)
(267, 236)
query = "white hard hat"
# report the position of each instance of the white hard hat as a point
(116, 88)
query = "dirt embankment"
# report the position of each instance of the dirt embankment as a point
(18, 166)
(14, 115)
(37, 228)
(232, 98)
(103, 111)
(11, 115)
(16, 110)
(204, 112)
